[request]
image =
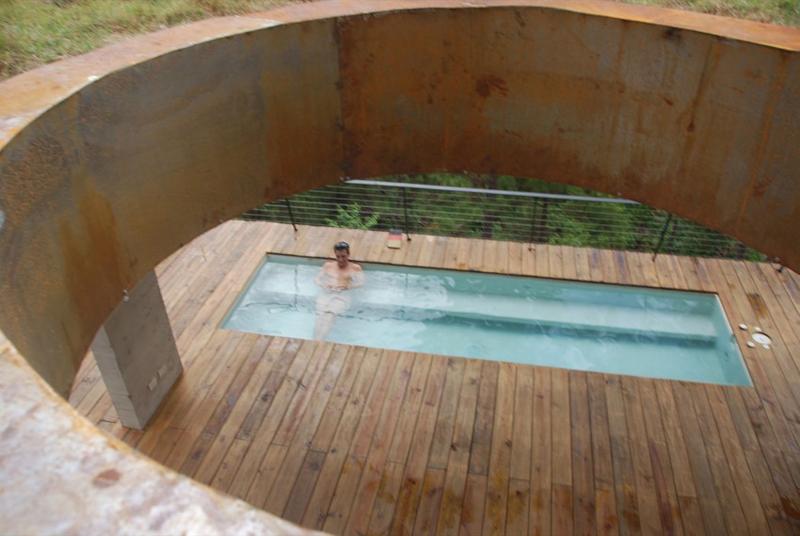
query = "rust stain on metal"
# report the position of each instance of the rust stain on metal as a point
(755, 189)
(487, 84)
(91, 252)
(107, 478)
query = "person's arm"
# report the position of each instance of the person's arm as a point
(358, 277)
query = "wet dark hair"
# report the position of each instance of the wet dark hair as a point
(339, 246)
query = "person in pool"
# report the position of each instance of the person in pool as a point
(335, 278)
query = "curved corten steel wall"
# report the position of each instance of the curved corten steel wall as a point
(111, 161)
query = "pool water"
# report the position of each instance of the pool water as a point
(584, 326)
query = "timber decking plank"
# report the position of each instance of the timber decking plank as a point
(383, 509)
(317, 510)
(364, 498)
(326, 431)
(568, 264)
(300, 493)
(582, 270)
(284, 354)
(484, 419)
(346, 488)
(721, 459)
(199, 349)
(307, 389)
(523, 417)
(428, 510)
(561, 428)
(606, 519)
(652, 520)
(666, 495)
(462, 253)
(624, 476)
(583, 492)
(541, 454)
(730, 470)
(519, 493)
(779, 305)
(408, 497)
(472, 507)
(767, 314)
(475, 257)
(541, 262)
(555, 261)
(440, 247)
(770, 386)
(308, 421)
(249, 469)
(85, 379)
(401, 443)
(196, 285)
(752, 477)
(458, 461)
(494, 519)
(221, 415)
(515, 253)
(178, 410)
(445, 422)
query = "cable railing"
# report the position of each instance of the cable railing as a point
(534, 218)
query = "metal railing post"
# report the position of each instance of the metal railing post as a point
(661, 238)
(291, 214)
(533, 223)
(405, 213)
(591, 226)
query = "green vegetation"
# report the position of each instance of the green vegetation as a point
(349, 216)
(786, 12)
(34, 32)
(571, 222)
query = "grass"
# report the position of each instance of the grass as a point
(34, 32)
(785, 12)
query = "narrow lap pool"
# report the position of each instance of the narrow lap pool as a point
(584, 326)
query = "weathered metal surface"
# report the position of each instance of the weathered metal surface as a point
(92, 185)
(679, 120)
(61, 476)
(111, 161)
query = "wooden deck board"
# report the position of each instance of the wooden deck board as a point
(365, 441)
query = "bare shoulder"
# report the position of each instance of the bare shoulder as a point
(356, 267)
(328, 265)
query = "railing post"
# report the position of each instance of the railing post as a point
(291, 214)
(661, 238)
(533, 223)
(405, 213)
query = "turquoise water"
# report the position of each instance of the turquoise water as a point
(583, 326)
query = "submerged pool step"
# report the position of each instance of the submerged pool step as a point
(535, 316)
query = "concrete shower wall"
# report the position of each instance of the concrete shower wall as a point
(111, 161)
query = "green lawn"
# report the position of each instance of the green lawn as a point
(33, 32)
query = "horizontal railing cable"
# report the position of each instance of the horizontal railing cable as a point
(577, 220)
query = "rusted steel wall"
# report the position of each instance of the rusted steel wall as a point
(111, 161)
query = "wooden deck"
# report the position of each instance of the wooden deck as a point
(363, 441)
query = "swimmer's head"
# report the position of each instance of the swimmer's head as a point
(342, 252)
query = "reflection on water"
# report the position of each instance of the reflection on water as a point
(610, 328)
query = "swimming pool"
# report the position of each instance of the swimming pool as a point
(585, 326)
